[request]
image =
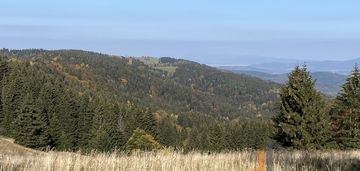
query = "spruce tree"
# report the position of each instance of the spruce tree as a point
(346, 113)
(147, 122)
(48, 105)
(198, 139)
(11, 98)
(98, 130)
(68, 122)
(31, 126)
(301, 121)
(216, 138)
(194, 140)
(167, 134)
(234, 136)
(116, 128)
(4, 69)
(256, 133)
(86, 114)
(106, 130)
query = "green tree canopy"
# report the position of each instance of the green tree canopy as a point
(346, 113)
(140, 140)
(31, 126)
(302, 122)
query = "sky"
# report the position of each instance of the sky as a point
(208, 31)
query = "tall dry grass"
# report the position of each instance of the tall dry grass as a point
(172, 161)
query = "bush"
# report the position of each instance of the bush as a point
(140, 140)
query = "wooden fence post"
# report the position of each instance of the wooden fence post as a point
(261, 161)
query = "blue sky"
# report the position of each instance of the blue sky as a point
(212, 32)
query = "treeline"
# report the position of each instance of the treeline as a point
(76, 100)
(191, 88)
(41, 111)
(306, 121)
(43, 108)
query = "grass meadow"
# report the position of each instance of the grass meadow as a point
(15, 157)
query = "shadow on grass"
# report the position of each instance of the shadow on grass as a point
(324, 164)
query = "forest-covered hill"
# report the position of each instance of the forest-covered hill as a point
(72, 99)
(167, 84)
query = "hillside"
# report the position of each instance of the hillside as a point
(326, 82)
(176, 86)
(8, 147)
(75, 100)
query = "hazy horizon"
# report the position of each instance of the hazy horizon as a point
(210, 32)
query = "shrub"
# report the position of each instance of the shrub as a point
(140, 140)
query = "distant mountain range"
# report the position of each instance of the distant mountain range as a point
(329, 75)
(281, 67)
(326, 82)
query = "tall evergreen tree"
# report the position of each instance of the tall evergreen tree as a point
(85, 118)
(216, 138)
(106, 130)
(68, 120)
(147, 122)
(11, 97)
(98, 130)
(116, 128)
(234, 136)
(4, 69)
(167, 134)
(48, 105)
(301, 122)
(31, 126)
(346, 113)
(198, 139)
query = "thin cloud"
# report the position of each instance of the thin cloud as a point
(25, 28)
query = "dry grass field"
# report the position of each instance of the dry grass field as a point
(15, 157)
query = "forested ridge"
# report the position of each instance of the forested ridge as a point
(77, 100)
(71, 100)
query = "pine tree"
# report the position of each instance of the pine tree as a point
(4, 69)
(301, 122)
(147, 122)
(85, 118)
(194, 140)
(256, 133)
(11, 98)
(68, 120)
(346, 113)
(47, 103)
(216, 138)
(98, 130)
(31, 126)
(116, 128)
(198, 139)
(234, 136)
(167, 134)
(107, 133)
